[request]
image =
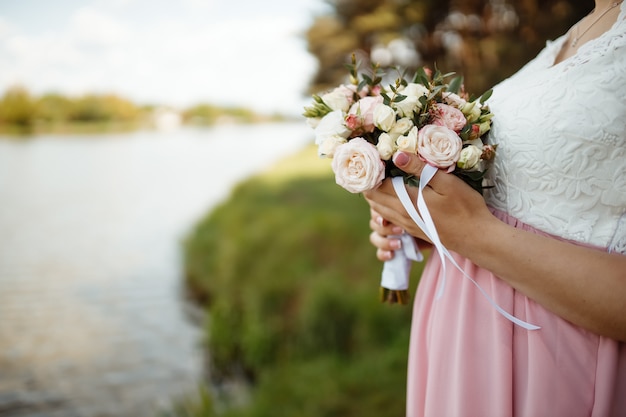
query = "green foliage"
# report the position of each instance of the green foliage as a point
(20, 112)
(202, 404)
(17, 107)
(291, 286)
(53, 108)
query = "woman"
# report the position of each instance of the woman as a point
(548, 247)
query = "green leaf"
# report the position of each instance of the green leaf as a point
(398, 98)
(455, 84)
(422, 77)
(486, 95)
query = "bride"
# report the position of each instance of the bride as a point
(548, 246)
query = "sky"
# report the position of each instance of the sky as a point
(177, 53)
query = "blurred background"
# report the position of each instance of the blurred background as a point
(170, 244)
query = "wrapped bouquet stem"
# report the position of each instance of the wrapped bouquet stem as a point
(394, 284)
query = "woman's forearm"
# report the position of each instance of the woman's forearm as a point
(582, 285)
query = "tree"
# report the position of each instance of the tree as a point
(17, 107)
(484, 40)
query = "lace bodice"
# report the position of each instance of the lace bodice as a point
(561, 136)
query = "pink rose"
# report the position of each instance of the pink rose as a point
(357, 166)
(353, 122)
(439, 146)
(364, 112)
(450, 117)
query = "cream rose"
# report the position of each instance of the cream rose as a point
(469, 157)
(357, 166)
(386, 146)
(416, 90)
(330, 125)
(341, 98)
(384, 117)
(402, 126)
(439, 146)
(329, 145)
(411, 103)
(454, 100)
(408, 142)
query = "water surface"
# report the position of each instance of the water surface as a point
(92, 317)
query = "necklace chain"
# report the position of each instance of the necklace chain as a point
(577, 37)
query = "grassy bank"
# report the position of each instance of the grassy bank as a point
(290, 283)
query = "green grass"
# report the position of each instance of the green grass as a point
(290, 283)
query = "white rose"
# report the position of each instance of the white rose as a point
(357, 166)
(332, 124)
(408, 143)
(407, 107)
(415, 90)
(402, 126)
(338, 99)
(329, 145)
(384, 117)
(411, 103)
(439, 146)
(453, 99)
(469, 158)
(386, 146)
(312, 122)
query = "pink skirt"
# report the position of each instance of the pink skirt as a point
(467, 360)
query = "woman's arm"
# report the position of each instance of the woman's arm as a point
(582, 285)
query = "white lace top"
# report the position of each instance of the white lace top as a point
(561, 135)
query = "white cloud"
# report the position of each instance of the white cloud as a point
(232, 58)
(94, 28)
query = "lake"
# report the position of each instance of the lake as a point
(93, 320)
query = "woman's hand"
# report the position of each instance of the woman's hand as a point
(381, 230)
(583, 285)
(382, 237)
(458, 211)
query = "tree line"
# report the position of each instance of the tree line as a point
(18, 107)
(22, 111)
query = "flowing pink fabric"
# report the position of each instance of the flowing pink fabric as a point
(467, 360)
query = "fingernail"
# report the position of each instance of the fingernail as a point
(400, 159)
(395, 244)
(379, 220)
(397, 230)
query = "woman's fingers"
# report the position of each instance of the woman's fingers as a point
(385, 246)
(408, 162)
(384, 227)
(412, 164)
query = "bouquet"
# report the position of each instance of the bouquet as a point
(361, 125)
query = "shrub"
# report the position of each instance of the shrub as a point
(290, 282)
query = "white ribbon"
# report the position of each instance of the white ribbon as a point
(426, 224)
(396, 270)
